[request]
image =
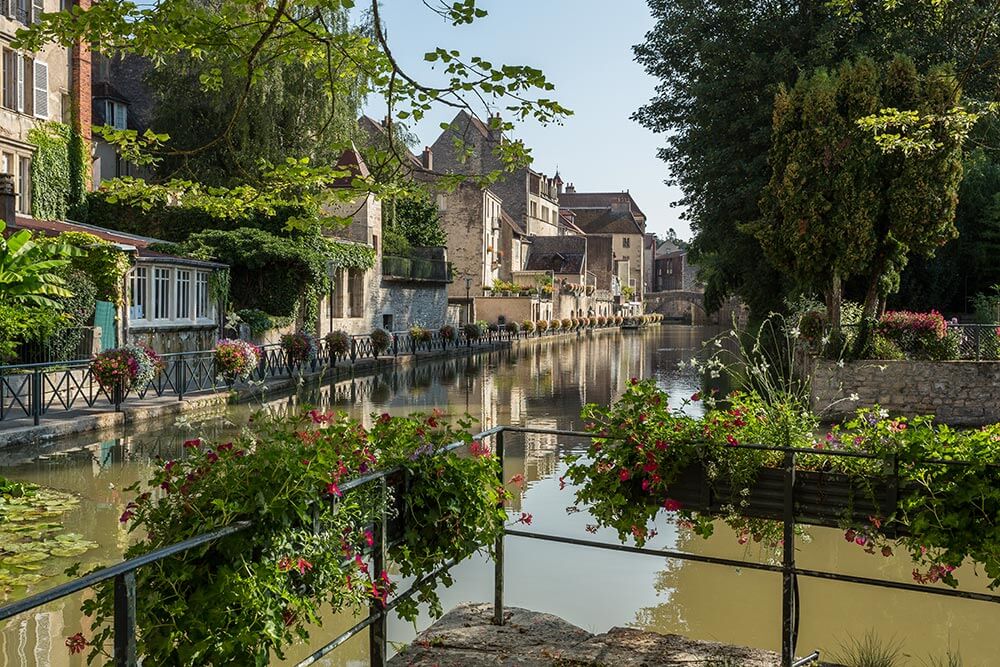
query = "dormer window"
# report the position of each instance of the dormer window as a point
(116, 115)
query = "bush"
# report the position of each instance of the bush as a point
(567, 324)
(447, 332)
(419, 334)
(299, 347)
(381, 340)
(493, 327)
(883, 348)
(555, 325)
(602, 321)
(513, 328)
(919, 335)
(528, 326)
(236, 358)
(260, 322)
(338, 343)
(542, 325)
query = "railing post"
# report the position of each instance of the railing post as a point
(125, 653)
(395, 345)
(978, 343)
(36, 395)
(377, 635)
(498, 547)
(180, 378)
(354, 349)
(789, 585)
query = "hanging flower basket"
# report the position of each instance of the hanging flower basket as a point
(236, 359)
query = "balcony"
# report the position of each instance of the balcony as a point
(417, 269)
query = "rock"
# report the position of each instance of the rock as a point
(466, 637)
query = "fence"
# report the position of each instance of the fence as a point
(70, 344)
(975, 342)
(788, 510)
(37, 389)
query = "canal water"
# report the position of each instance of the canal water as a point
(543, 385)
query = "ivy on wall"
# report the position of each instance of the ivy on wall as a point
(58, 170)
(102, 262)
(350, 255)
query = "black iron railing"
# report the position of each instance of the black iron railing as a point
(384, 533)
(976, 342)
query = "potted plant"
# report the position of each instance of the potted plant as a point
(528, 326)
(338, 343)
(381, 340)
(447, 333)
(236, 359)
(299, 347)
(513, 328)
(472, 331)
(125, 368)
(542, 326)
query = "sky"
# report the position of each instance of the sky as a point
(584, 47)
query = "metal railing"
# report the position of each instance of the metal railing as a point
(71, 344)
(35, 390)
(975, 342)
(384, 533)
(416, 269)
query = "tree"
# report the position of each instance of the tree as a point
(838, 204)
(416, 217)
(29, 271)
(719, 66)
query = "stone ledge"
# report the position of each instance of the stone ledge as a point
(465, 636)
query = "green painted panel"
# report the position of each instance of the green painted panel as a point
(104, 317)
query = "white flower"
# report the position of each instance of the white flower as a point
(840, 363)
(714, 374)
(854, 397)
(718, 343)
(825, 340)
(794, 332)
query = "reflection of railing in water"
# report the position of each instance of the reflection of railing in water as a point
(789, 513)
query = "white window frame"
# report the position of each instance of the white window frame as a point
(202, 298)
(139, 285)
(161, 301)
(182, 294)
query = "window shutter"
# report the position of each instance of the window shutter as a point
(19, 82)
(8, 8)
(37, 8)
(41, 90)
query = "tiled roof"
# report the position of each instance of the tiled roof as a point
(568, 220)
(377, 129)
(126, 241)
(517, 225)
(559, 254)
(351, 161)
(606, 221)
(575, 200)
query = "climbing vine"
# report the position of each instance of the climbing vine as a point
(101, 261)
(58, 170)
(350, 255)
(218, 287)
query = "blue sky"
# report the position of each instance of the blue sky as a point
(585, 49)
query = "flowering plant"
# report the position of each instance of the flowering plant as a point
(244, 598)
(338, 343)
(299, 346)
(646, 456)
(472, 331)
(128, 367)
(381, 340)
(919, 335)
(527, 326)
(419, 334)
(513, 327)
(236, 358)
(447, 332)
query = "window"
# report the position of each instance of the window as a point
(534, 210)
(375, 242)
(37, 9)
(626, 242)
(356, 292)
(161, 293)
(202, 305)
(25, 84)
(7, 163)
(183, 299)
(116, 115)
(24, 11)
(24, 186)
(339, 291)
(137, 297)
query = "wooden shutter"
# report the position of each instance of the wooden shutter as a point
(8, 8)
(19, 81)
(41, 90)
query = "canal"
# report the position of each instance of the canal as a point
(543, 385)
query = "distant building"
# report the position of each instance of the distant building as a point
(121, 100)
(671, 269)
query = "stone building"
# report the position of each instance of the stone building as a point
(616, 217)
(672, 270)
(397, 292)
(52, 85)
(120, 99)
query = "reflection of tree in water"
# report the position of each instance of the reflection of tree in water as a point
(381, 390)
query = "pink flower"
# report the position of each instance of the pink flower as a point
(76, 643)
(303, 566)
(333, 490)
(732, 441)
(369, 538)
(696, 396)
(671, 505)
(191, 444)
(517, 479)
(525, 518)
(624, 475)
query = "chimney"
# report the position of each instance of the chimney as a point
(570, 189)
(81, 98)
(8, 198)
(427, 159)
(494, 126)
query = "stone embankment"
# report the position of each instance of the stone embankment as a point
(960, 393)
(466, 636)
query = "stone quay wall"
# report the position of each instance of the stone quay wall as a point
(961, 393)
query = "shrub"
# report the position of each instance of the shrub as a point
(236, 358)
(567, 323)
(447, 332)
(493, 327)
(472, 331)
(260, 322)
(555, 325)
(542, 325)
(299, 347)
(128, 367)
(381, 340)
(919, 335)
(338, 343)
(528, 326)
(513, 328)
(619, 319)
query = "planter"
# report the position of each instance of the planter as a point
(819, 498)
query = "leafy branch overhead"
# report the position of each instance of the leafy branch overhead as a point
(235, 51)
